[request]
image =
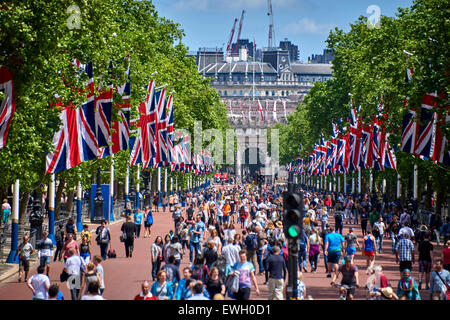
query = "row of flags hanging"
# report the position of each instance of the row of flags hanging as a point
(88, 132)
(263, 113)
(367, 146)
(422, 133)
(356, 146)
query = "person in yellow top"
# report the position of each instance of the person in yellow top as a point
(86, 233)
(226, 211)
(307, 224)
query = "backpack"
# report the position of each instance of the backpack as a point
(112, 253)
(198, 273)
(251, 242)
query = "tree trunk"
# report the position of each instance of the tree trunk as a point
(23, 214)
(58, 195)
(69, 204)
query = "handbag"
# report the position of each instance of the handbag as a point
(123, 237)
(64, 276)
(445, 292)
(232, 283)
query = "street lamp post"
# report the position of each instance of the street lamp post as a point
(98, 202)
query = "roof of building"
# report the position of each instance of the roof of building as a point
(238, 67)
(312, 68)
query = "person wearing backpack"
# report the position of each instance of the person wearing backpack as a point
(59, 238)
(251, 245)
(199, 270)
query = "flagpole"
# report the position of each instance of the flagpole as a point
(138, 186)
(359, 181)
(51, 208)
(127, 186)
(111, 190)
(79, 206)
(399, 186)
(159, 187)
(416, 183)
(13, 257)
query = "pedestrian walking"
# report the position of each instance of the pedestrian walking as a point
(138, 216)
(103, 238)
(333, 248)
(276, 266)
(70, 244)
(404, 253)
(45, 247)
(97, 260)
(59, 239)
(351, 242)
(90, 276)
(157, 256)
(246, 272)
(425, 262)
(439, 282)
(214, 284)
(25, 250)
(85, 250)
(369, 249)
(128, 229)
(39, 284)
(74, 267)
(148, 222)
(446, 255)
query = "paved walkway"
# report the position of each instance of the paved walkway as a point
(123, 276)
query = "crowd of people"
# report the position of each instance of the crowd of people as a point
(231, 234)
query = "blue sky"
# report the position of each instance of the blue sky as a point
(306, 23)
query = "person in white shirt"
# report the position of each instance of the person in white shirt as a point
(39, 284)
(231, 252)
(74, 266)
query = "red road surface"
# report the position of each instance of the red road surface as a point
(123, 276)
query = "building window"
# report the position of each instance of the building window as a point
(220, 93)
(267, 93)
(251, 93)
(241, 93)
(225, 93)
(234, 93)
(282, 93)
(273, 93)
(257, 93)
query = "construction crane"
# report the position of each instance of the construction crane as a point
(236, 48)
(230, 41)
(271, 27)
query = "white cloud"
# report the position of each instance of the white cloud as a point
(308, 26)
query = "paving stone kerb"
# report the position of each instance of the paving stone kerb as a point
(123, 277)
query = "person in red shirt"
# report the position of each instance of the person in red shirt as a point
(446, 255)
(145, 293)
(328, 202)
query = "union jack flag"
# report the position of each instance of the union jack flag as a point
(120, 133)
(76, 139)
(162, 157)
(142, 147)
(355, 137)
(7, 106)
(170, 130)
